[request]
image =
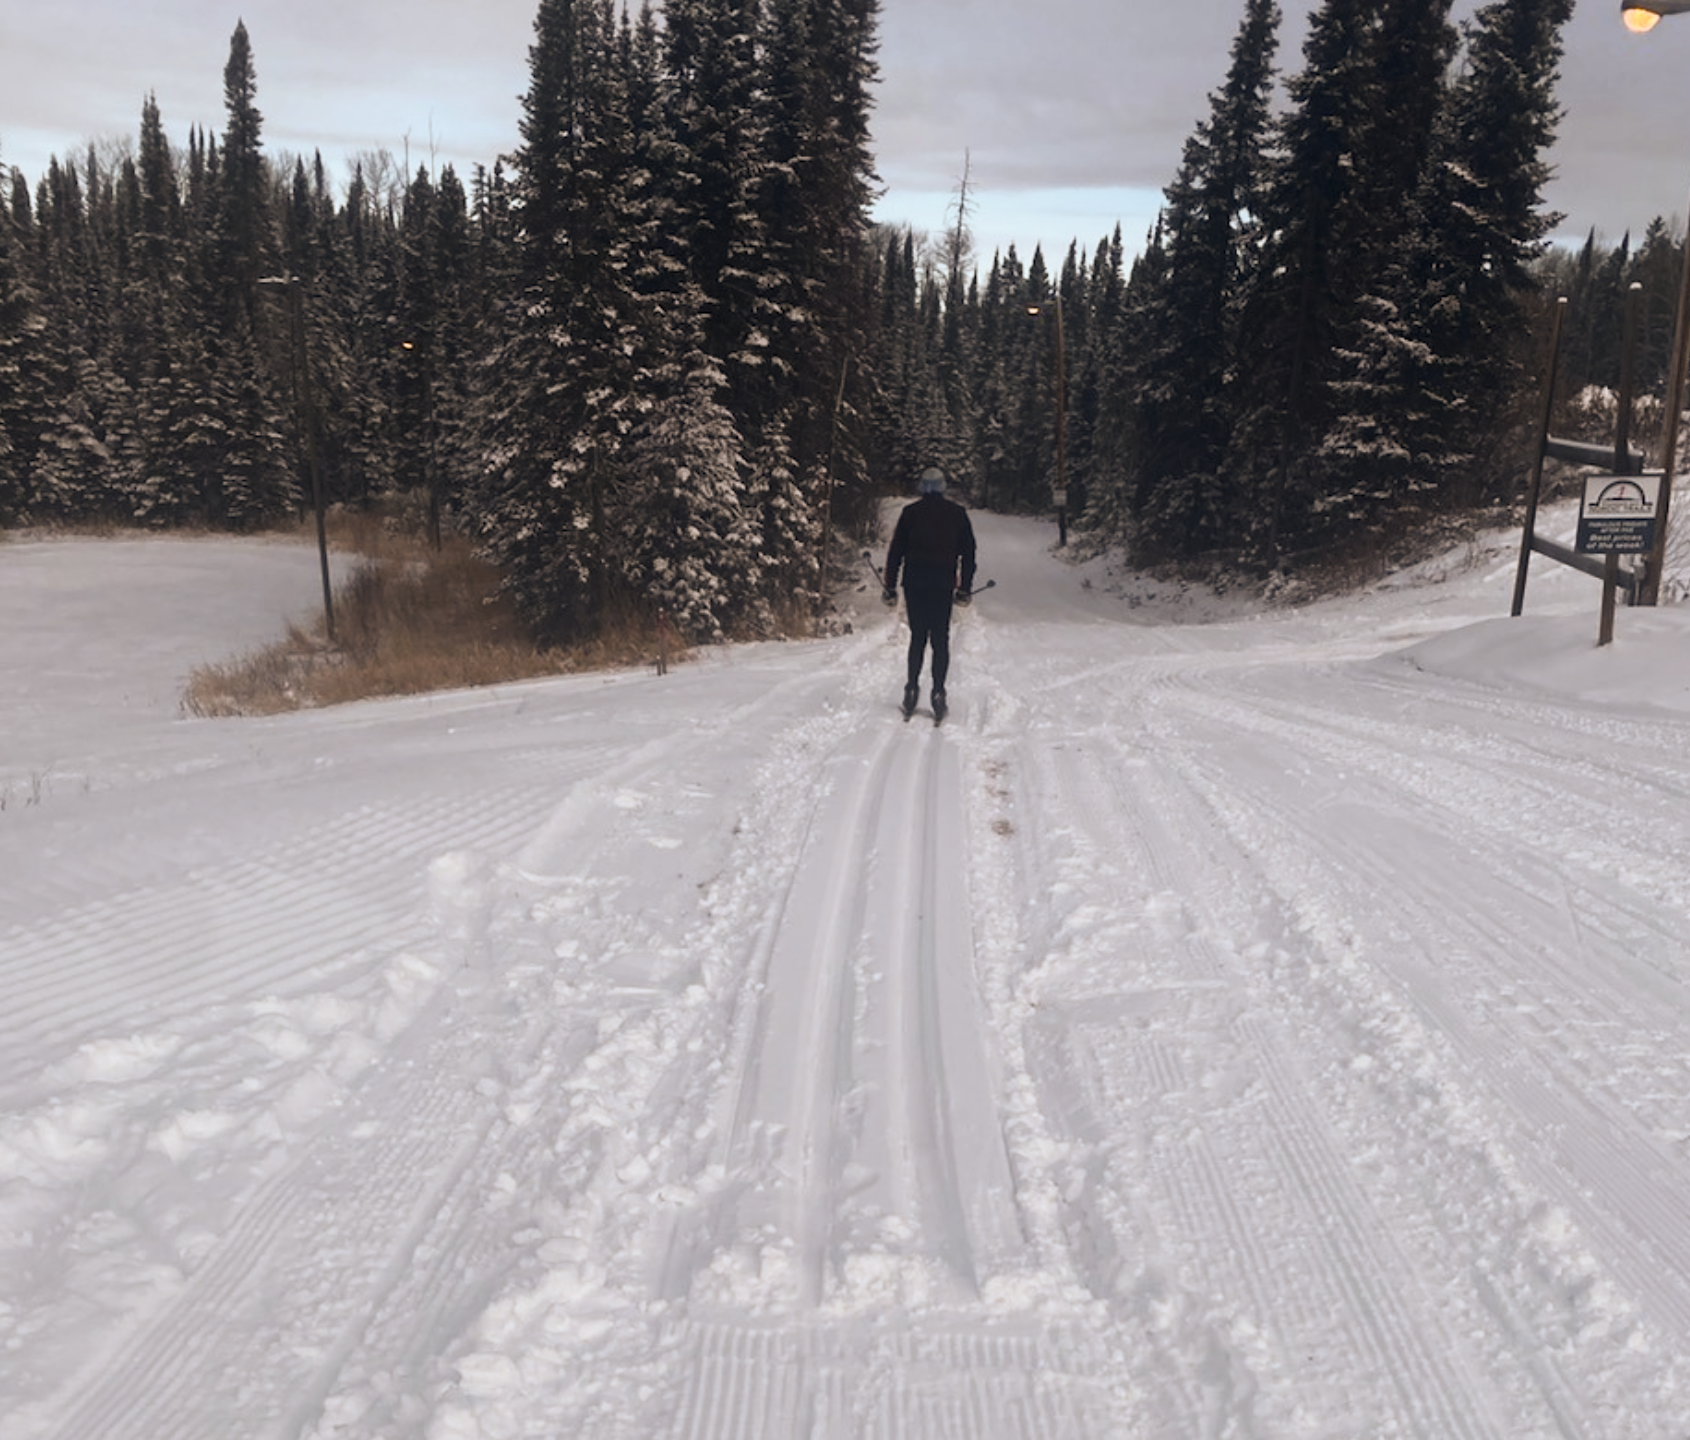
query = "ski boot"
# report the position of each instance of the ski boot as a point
(912, 693)
(939, 706)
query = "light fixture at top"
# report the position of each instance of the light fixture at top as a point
(1642, 16)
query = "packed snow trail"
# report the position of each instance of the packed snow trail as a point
(1247, 1029)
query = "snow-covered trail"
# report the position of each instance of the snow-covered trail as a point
(1243, 1029)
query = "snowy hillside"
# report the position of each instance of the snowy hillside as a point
(1227, 1025)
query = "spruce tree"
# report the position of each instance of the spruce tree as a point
(587, 338)
(21, 332)
(243, 198)
(714, 126)
(1182, 500)
(819, 76)
(1484, 227)
(1352, 144)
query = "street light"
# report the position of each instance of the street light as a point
(1060, 489)
(426, 352)
(305, 408)
(1641, 16)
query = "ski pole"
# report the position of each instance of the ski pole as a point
(989, 585)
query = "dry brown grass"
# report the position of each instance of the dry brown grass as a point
(409, 620)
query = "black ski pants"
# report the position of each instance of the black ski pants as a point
(930, 623)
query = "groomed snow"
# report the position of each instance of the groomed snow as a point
(1231, 1023)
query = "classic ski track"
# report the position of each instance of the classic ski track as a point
(1260, 1215)
(896, 929)
(1626, 1186)
(805, 982)
(1377, 1298)
(970, 1381)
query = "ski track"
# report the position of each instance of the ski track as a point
(864, 1140)
(1633, 1186)
(1083, 1067)
(1248, 1145)
(1300, 1178)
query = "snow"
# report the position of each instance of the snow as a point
(1234, 1022)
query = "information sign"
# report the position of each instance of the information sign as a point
(1618, 515)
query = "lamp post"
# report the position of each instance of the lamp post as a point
(426, 351)
(1060, 489)
(305, 407)
(1642, 16)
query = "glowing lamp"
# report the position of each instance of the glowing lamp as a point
(1642, 16)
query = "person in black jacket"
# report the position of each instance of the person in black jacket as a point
(933, 546)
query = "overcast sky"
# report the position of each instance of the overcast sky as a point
(1070, 114)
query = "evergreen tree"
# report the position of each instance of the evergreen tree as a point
(714, 126)
(581, 353)
(819, 75)
(1483, 228)
(1108, 379)
(419, 336)
(1352, 144)
(1185, 422)
(21, 332)
(162, 318)
(244, 189)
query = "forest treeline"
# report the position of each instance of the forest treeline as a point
(656, 356)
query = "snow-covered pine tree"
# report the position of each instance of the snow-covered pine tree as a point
(687, 545)
(360, 356)
(68, 467)
(1377, 462)
(417, 351)
(897, 359)
(256, 485)
(819, 73)
(245, 243)
(1091, 384)
(252, 356)
(21, 333)
(156, 307)
(190, 421)
(587, 340)
(1484, 227)
(1350, 147)
(1103, 385)
(1183, 502)
(714, 124)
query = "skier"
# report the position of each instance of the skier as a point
(933, 545)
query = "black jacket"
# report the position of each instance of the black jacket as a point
(933, 544)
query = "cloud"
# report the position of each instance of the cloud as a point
(1070, 114)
